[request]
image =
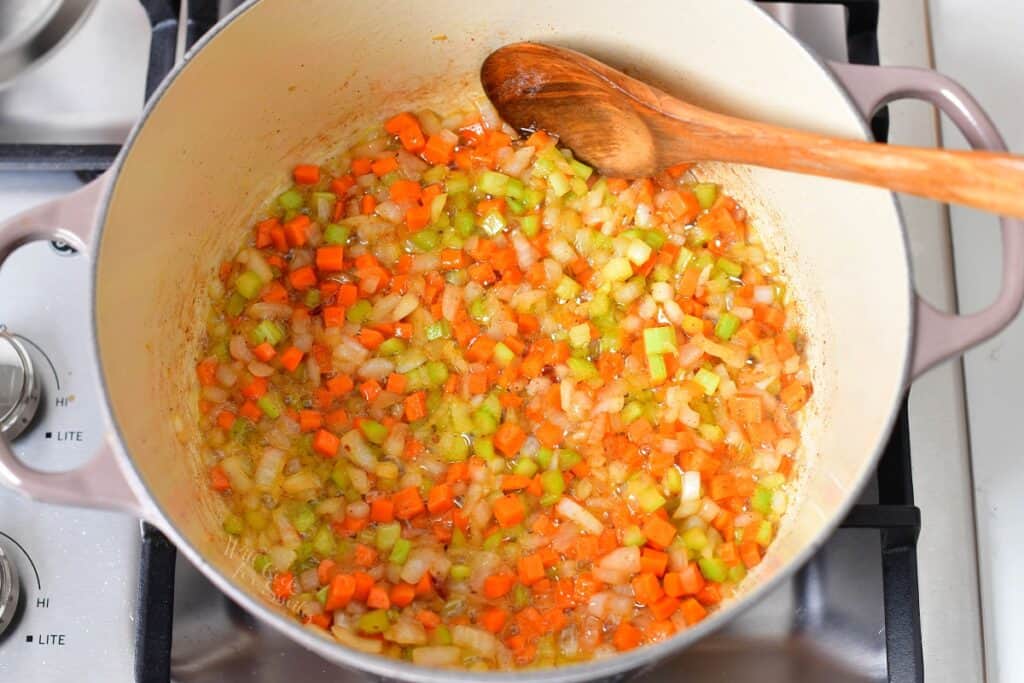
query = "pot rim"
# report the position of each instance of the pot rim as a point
(337, 653)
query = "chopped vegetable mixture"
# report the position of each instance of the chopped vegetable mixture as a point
(471, 404)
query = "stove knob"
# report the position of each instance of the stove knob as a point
(9, 591)
(19, 386)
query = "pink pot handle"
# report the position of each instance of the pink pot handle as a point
(99, 483)
(939, 335)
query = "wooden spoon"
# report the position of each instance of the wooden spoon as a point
(628, 129)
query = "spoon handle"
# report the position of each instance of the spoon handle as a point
(986, 180)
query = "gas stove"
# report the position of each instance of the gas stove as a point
(95, 596)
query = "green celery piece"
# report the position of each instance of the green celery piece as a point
(706, 194)
(631, 411)
(359, 312)
(374, 431)
(303, 518)
(582, 369)
(323, 541)
(712, 568)
(483, 446)
(730, 268)
(558, 183)
(439, 329)
(520, 596)
(633, 536)
(695, 538)
(530, 225)
(543, 457)
(290, 200)
(567, 459)
(312, 298)
(515, 189)
(553, 482)
(391, 347)
(708, 380)
(484, 423)
(336, 234)
(492, 183)
(459, 572)
(270, 404)
(374, 622)
(234, 525)
(502, 354)
(400, 553)
(650, 500)
(248, 284)
(659, 340)
(525, 467)
(456, 182)
(580, 169)
(261, 563)
(655, 238)
(568, 289)
(426, 240)
(387, 535)
(762, 500)
(658, 369)
(464, 222)
(437, 373)
(727, 326)
(764, 533)
(235, 305)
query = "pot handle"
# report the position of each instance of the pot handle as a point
(939, 335)
(99, 483)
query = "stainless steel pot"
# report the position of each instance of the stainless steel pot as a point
(277, 83)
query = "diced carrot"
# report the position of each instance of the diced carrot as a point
(480, 349)
(745, 409)
(342, 184)
(549, 434)
(251, 411)
(370, 389)
(382, 510)
(333, 316)
(476, 383)
(397, 383)
(417, 217)
(283, 585)
(330, 259)
(794, 395)
(402, 594)
(264, 352)
(384, 166)
(493, 619)
(310, 420)
(326, 571)
(646, 588)
(498, 585)
(515, 482)
(378, 598)
(296, 229)
(509, 439)
(665, 607)
(275, 293)
(453, 259)
(438, 151)
(302, 278)
(219, 479)
(365, 555)
(207, 372)
(225, 419)
(416, 406)
(430, 620)
(364, 582)
(653, 561)
(408, 503)
(692, 611)
(367, 204)
(509, 510)
(256, 387)
(750, 553)
(290, 358)
(626, 637)
(326, 444)
(440, 499)
(659, 533)
(306, 174)
(530, 568)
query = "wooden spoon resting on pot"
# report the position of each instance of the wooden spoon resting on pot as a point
(628, 129)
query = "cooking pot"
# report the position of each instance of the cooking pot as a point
(278, 83)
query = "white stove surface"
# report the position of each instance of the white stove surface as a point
(87, 561)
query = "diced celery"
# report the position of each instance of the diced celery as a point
(618, 269)
(439, 329)
(658, 369)
(683, 259)
(270, 404)
(236, 304)
(456, 182)
(692, 325)
(484, 447)
(631, 411)
(454, 448)
(695, 538)
(712, 568)
(514, 189)
(426, 240)
(672, 481)
(533, 198)
(553, 482)
(659, 340)
(492, 183)
(459, 572)
(633, 536)
(567, 289)
(391, 347)
(730, 268)
(515, 206)
(234, 525)
(400, 553)
(578, 186)
(493, 223)
(582, 369)
(290, 200)
(258, 519)
(737, 572)
(530, 225)
(525, 467)
(437, 372)
(580, 169)
(727, 326)
(359, 312)
(464, 222)
(579, 336)
(706, 194)
(374, 431)
(503, 355)
(710, 432)
(484, 423)
(303, 518)
(478, 310)
(493, 541)
(708, 380)
(650, 499)
(600, 305)
(248, 284)
(762, 500)
(387, 534)
(661, 273)
(773, 480)
(567, 459)
(374, 622)
(520, 596)
(339, 475)
(321, 595)
(543, 457)
(323, 540)
(764, 533)
(312, 298)
(434, 174)
(261, 563)
(655, 238)
(558, 183)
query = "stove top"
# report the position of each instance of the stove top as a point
(104, 599)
